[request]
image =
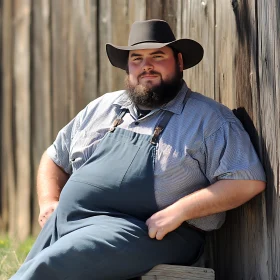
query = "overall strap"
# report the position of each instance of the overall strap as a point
(166, 116)
(118, 120)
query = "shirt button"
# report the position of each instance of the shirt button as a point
(136, 123)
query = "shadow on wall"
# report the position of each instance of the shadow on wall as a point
(241, 248)
(253, 50)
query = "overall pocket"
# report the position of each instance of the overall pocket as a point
(108, 165)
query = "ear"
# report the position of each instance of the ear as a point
(180, 62)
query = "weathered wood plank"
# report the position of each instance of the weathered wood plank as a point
(154, 9)
(170, 13)
(91, 51)
(137, 10)
(8, 191)
(254, 251)
(268, 62)
(82, 54)
(21, 10)
(105, 68)
(120, 32)
(162, 272)
(40, 92)
(250, 218)
(198, 23)
(3, 190)
(225, 51)
(59, 64)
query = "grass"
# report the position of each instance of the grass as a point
(12, 255)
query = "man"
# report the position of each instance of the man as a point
(139, 175)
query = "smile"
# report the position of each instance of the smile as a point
(148, 77)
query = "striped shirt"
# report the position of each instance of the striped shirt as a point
(203, 142)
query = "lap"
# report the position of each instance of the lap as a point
(114, 249)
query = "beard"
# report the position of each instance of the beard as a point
(154, 96)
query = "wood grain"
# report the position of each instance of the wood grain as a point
(21, 60)
(268, 62)
(60, 64)
(164, 272)
(8, 184)
(197, 23)
(225, 51)
(40, 93)
(53, 62)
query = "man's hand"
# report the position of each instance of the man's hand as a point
(164, 222)
(45, 212)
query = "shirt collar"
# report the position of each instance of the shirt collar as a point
(175, 105)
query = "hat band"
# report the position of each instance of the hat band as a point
(148, 41)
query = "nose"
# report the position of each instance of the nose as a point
(147, 65)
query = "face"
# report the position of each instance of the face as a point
(154, 76)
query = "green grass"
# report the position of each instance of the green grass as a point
(12, 255)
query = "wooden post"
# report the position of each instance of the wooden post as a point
(268, 42)
(198, 23)
(59, 65)
(8, 191)
(22, 114)
(40, 93)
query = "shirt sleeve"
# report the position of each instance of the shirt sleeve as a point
(230, 154)
(59, 151)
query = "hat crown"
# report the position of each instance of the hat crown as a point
(150, 31)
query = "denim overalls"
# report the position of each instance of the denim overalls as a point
(98, 230)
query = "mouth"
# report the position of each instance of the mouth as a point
(148, 77)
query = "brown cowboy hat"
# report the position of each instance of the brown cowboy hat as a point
(154, 34)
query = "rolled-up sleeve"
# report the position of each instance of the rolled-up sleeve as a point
(60, 150)
(230, 154)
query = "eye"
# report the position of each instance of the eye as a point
(158, 56)
(136, 58)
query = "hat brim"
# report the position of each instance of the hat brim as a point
(191, 51)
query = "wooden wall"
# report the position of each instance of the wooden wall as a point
(53, 62)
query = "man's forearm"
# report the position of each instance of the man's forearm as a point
(219, 197)
(50, 180)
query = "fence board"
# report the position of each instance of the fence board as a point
(8, 191)
(120, 27)
(105, 35)
(170, 13)
(198, 24)
(82, 60)
(225, 51)
(239, 52)
(137, 10)
(40, 92)
(90, 88)
(154, 9)
(59, 64)
(22, 114)
(3, 190)
(269, 43)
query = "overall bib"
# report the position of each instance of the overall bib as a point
(98, 230)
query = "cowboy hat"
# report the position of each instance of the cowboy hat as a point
(154, 34)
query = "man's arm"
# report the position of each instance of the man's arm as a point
(219, 197)
(50, 181)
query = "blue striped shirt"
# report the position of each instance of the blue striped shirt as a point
(203, 143)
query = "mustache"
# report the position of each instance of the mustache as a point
(152, 72)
